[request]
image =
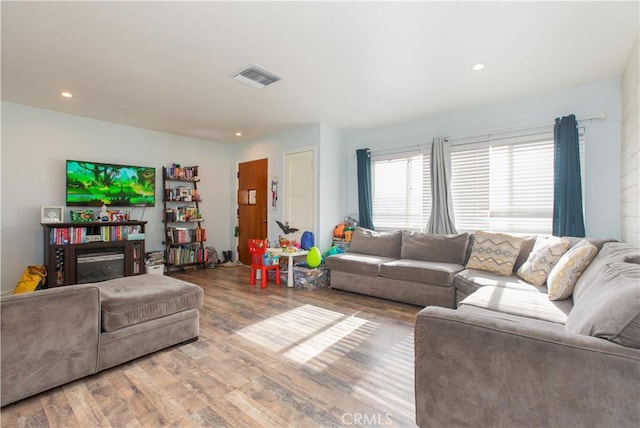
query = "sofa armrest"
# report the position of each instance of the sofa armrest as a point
(472, 370)
(48, 338)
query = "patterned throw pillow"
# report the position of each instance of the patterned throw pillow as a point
(545, 254)
(565, 273)
(494, 252)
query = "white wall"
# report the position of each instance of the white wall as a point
(630, 151)
(272, 148)
(332, 184)
(330, 175)
(35, 145)
(36, 142)
(602, 152)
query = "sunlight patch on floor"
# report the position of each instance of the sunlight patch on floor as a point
(390, 384)
(342, 347)
(320, 342)
(284, 330)
(310, 335)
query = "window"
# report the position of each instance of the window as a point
(505, 185)
(401, 190)
(470, 188)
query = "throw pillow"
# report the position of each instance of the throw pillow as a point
(611, 309)
(494, 252)
(545, 254)
(32, 279)
(565, 273)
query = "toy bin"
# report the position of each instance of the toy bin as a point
(307, 278)
(156, 269)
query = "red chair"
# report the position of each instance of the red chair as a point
(257, 249)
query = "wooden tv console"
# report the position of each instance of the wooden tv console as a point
(66, 243)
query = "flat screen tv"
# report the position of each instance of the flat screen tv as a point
(97, 184)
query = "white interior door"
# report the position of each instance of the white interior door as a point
(299, 195)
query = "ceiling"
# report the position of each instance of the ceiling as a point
(169, 66)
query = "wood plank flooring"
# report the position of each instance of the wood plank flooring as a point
(275, 357)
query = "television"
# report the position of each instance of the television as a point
(97, 184)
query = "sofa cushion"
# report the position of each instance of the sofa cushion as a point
(360, 264)
(528, 242)
(136, 299)
(502, 316)
(611, 252)
(383, 244)
(610, 309)
(545, 254)
(564, 275)
(435, 273)
(470, 280)
(434, 247)
(598, 242)
(520, 302)
(494, 252)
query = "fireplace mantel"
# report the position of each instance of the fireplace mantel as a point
(64, 242)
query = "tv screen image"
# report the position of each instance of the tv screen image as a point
(97, 184)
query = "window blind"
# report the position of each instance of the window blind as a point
(505, 185)
(401, 190)
(501, 185)
(521, 188)
(470, 188)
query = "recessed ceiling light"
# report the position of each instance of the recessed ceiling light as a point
(66, 94)
(478, 67)
(238, 134)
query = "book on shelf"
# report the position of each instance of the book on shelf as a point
(80, 235)
(181, 194)
(176, 172)
(185, 255)
(183, 235)
(171, 215)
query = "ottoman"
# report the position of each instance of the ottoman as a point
(145, 313)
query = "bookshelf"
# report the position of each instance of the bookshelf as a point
(66, 245)
(184, 232)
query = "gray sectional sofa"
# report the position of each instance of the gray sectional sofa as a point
(405, 266)
(54, 336)
(508, 355)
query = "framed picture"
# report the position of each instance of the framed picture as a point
(81, 216)
(52, 215)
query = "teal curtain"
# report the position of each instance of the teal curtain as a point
(365, 201)
(441, 219)
(568, 217)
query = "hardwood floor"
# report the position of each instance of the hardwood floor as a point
(275, 357)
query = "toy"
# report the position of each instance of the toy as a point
(333, 250)
(348, 233)
(314, 257)
(307, 240)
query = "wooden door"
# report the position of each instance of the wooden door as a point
(252, 205)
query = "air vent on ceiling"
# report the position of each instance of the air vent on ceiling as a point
(256, 76)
